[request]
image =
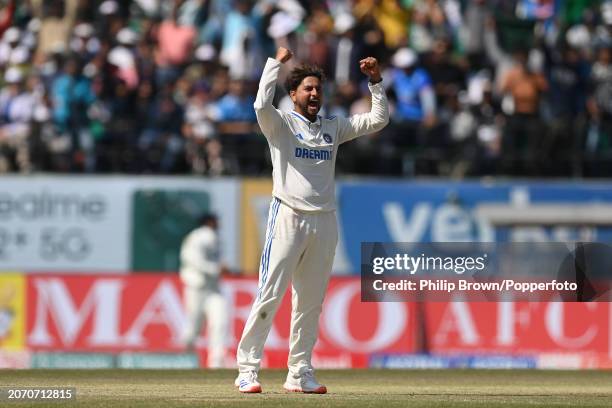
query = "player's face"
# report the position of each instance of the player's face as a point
(214, 224)
(308, 97)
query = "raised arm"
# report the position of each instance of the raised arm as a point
(269, 118)
(378, 117)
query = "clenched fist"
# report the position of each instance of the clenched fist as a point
(283, 55)
(369, 66)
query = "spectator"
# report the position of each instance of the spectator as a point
(130, 115)
(462, 124)
(315, 44)
(489, 122)
(219, 163)
(599, 142)
(123, 57)
(523, 133)
(391, 16)
(428, 25)
(237, 50)
(57, 18)
(16, 106)
(83, 42)
(282, 29)
(198, 127)
(415, 111)
(161, 142)
(346, 49)
(236, 117)
(11, 52)
(472, 32)
(446, 73)
(568, 79)
(175, 43)
(72, 96)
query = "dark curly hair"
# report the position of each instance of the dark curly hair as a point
(297, 75)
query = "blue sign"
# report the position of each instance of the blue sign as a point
(392, 211)
(428, 361)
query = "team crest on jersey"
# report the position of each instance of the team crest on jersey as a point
(327, 137)
(299, 136)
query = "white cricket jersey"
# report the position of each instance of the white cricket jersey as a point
(303, 152)
(200, 264)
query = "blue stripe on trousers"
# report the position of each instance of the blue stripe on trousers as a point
(265, 256)
(271, 236)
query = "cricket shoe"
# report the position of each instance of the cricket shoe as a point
(304, 382)
(247, 383)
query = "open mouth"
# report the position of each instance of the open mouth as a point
(313, 104)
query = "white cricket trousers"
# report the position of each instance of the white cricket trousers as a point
(202, 304)
(300, 248)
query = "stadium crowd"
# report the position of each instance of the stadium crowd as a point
(478, 87)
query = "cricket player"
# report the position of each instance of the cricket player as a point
(200, 270)
(302, 230)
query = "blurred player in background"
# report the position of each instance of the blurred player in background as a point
(200, 271)
(302, 230)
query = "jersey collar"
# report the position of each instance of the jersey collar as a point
(303, 119)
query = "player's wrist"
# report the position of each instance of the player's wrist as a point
(375, 79)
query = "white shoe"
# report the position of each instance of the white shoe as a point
(247, 383)
(305, 382)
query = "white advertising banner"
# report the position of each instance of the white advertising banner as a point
(85, 224)
(64, 223)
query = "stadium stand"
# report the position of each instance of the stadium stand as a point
(479, 87)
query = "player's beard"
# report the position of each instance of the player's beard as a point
(310, 108)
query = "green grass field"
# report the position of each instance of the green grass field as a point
(347, 388)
